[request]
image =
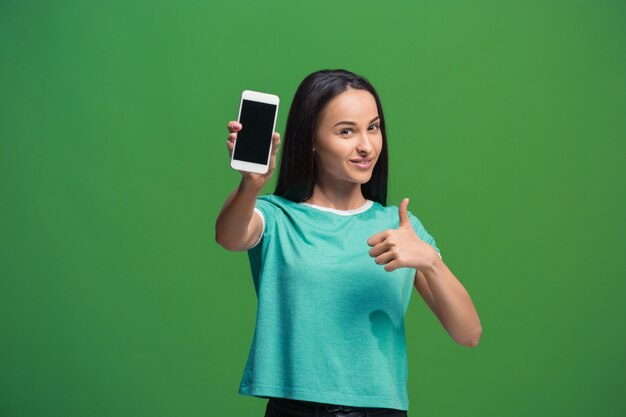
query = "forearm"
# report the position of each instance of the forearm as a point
(231, 226)
(455, 309)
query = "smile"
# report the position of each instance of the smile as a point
(362, 163)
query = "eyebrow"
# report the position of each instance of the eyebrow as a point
(345, 122)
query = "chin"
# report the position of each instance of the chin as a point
(359, 177)
(362, 179)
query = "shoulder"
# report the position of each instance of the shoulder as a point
(270, 209)
(393, 212)
(272, 206)
(274, 202)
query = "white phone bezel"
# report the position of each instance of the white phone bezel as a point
(251, 166)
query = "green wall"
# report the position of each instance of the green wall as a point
(507, 128)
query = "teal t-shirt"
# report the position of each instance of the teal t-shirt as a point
(330, 321)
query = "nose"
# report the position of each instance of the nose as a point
(364, 146)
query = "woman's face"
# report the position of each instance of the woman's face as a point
(348, 140)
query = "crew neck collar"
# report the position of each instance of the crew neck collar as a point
(364, 207)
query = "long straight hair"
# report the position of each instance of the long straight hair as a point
(297, 172)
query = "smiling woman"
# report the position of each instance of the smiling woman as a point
(331, 120)
(345, 156)
(333, 266)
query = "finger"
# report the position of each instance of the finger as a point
(392, 266)
(232, 137)
(230, 146)
(404, 213)
(385, 258)
(234, 126)
(379, 249)
(378, 238)
(275, 143)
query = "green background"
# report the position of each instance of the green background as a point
(506, 125)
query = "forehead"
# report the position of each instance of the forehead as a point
(352, 104)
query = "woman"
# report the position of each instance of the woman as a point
(334, 266)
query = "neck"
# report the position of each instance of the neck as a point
(344, 196)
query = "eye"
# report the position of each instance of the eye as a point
(344, 130)
(376, 126)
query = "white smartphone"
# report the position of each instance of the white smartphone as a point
(253, 146)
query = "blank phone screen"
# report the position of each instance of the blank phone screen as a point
(255, 138)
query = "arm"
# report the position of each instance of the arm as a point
(443, 293)
(450, 302)
(237, 227)
(422, 288)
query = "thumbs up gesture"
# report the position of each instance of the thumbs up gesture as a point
(401, 247)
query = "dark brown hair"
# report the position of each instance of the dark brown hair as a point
(297, 172)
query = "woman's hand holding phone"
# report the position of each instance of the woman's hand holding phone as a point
(250, 178)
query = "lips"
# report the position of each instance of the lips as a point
(362, 163)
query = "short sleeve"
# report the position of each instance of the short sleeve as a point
(423, 234)
(267, 211)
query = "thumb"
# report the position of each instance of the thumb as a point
(404, 213)
(275, 143)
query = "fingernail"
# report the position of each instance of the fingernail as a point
(236, 125)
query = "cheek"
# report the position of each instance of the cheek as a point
(337, 152)
(333, 160)
(379, 144)
(327, 158)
